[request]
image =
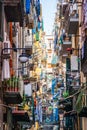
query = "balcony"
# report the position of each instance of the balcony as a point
(20, 115)
(84, 57)
(81, 104)
(63, 7)
(14, 10)
(66, 44)
(71, 19)
(13, 90)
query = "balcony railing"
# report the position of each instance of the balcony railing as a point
(71, 19)
(66, 44)
(13, 90)
(67, 40)
(63, 7)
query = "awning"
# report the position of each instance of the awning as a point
(20, 115)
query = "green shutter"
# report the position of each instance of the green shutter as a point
(68, 66)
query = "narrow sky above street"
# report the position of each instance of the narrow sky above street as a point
(48, 11)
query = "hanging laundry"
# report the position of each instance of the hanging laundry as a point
(33, 30)
(32, 2)
(27, 6)
(39, 25)
(53, 85)
(42, 25)
(37, 36)
(5, 69)
(38, 7)
(54, 59)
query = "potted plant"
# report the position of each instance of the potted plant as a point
(16, 85)
(12, 84)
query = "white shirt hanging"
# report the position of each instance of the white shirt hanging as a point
(5, 69)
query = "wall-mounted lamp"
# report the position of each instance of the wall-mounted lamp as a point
(23, 58)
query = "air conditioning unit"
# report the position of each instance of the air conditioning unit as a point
(6, 45)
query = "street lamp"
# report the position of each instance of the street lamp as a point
(23, 58)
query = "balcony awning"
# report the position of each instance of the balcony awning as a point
(20, 115)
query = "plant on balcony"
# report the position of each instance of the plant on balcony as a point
(12, 84)
(16, 84)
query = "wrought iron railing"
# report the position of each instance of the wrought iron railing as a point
(13, 84)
